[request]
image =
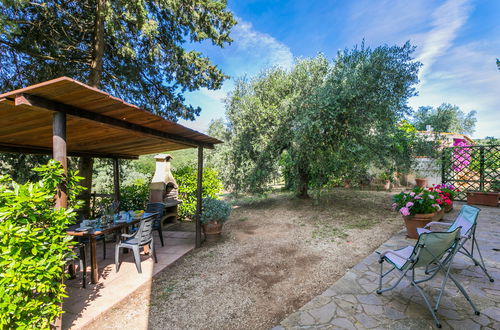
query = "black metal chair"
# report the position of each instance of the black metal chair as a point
(78, 253)
(158, 208)
(142, 237)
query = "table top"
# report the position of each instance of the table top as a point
(104, 230)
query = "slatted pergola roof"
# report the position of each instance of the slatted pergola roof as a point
(97, 124)
(65, 117)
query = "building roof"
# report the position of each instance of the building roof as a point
(450, 135)
(98, 124)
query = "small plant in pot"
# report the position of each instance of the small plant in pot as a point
(420, 179)
(214, 214)
(449, 191)
(417, 207)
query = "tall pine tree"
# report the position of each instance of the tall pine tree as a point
(133, 49)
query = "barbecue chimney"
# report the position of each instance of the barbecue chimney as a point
(163, 187)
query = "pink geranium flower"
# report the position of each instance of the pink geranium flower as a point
(409, 204)
(404, 211)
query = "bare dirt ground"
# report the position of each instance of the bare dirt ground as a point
(275, 255)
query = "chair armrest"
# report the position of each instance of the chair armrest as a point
(434, 223)
(382, 255)
(127, 235)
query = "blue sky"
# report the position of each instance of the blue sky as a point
(457, 41)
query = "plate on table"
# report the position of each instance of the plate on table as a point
(83, 228)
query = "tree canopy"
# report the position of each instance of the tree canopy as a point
(134, 49)
(445, 118)
(321, 120)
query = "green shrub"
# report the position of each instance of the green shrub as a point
(33, 248)
(134, 197)
(215, 210)
(186, 178)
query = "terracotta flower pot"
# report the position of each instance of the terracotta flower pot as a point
(483, 198)
(421, 182)
(448, 208)
(212, 230)
(387, 185)
(413, 222)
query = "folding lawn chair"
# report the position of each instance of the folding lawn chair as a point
(467, 220)
(435, 248)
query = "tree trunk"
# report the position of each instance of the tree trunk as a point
(98, 47)
(303, 183)
(85, 164)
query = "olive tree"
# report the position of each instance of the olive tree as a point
(320, 120)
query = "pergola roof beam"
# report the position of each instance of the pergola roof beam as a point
(48, 151)
(40, 102)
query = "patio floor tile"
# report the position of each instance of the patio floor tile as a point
(84, 305)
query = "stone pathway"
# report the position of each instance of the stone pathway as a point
(352, 303)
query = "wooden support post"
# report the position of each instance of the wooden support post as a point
(199, 196)
(85, 165)
(60, 154)
(116, 179)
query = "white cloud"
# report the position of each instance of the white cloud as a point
(446, 22)
(259, 50)
(385, 21)
(216, 95)
(469, 78)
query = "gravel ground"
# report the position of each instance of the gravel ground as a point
(275, 255)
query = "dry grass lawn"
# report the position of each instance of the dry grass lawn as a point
(276, 254)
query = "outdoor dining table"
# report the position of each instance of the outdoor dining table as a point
(92, 234)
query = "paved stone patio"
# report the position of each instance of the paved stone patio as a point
(352, 303)
(84, 305)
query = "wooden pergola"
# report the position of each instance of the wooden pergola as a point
(65, 117)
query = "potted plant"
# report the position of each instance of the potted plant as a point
(449, 191)
(483, 198)
(421, 182)
(417, 207)
(214, 214)
(386, 180)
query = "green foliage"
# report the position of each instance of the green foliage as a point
(214, 210)
(417, 201)
(33, 248)
(186, 178)
(136, 176)
(184, 157)
(134, 197)
(320, 121)
(488, 140)
(19, 166)
(445, 118)
(143, 59)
